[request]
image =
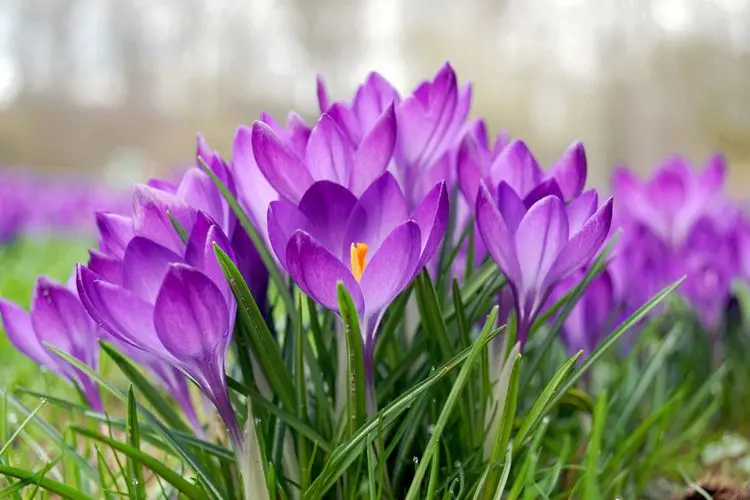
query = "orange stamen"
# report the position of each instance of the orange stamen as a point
(358, 259)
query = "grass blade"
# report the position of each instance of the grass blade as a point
(134, 439)
(356, 365)
(48, 484)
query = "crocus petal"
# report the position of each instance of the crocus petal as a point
(327, 206)
(375, 152)
(580, 209)
(18, 327)
(151, 210)
(144, 267)
(256, 193)
(284, 219)
(545, 188)
(202, 151)
(201, 254)
(496, 235)
(518, 167)
(251, 266)
(432, 217)
(510, 205)
(570, 171)
(372, 98)
(377, 212)
(713, 176)
(107, 266)
(298, 134)
(328, 155)
(539, 239)
(347, 121)
(583, 245)
(316, 271)
(323, 101)
(190, 316)
(469, 173)
(281, 167)
(392, 267)
(119, 312)
(59, 319)
(198, 190)
(115, 231)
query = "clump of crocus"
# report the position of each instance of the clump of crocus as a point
(679, 223)
(175, 306)
(372, 244)
(58, 319)
(430, 123)
(539, 241)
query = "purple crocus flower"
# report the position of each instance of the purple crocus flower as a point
(430, 122)
(371, 244)
(177, 307)
(539, 241)
(56, 318)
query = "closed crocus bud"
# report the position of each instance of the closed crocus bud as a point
(56, 318)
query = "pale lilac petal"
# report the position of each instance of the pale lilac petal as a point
(570, 171)
(328, 155)
(18, 327)
(583, 245)
(510, 205)
(375, 152)
(115, 231)
(347, 121)
(298, 134)
(107, 266)
(541, 236)
(580, 209)
(372, 98)
(151, 209)
(316, 271)
(711, 180)
(144, 267)
(496, 235)
(469, 173)
(284, 219)
(432, 218)
(518, 167)
(378, 211)
(327, 206)
(281, 167)
(255, 192)
(190, 316)
(251, 266)
(391, 268)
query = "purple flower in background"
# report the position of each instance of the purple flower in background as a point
(679, 223)
(58, 319)
(592, 317)
(539, 241)
(175, 306)
(372, 244)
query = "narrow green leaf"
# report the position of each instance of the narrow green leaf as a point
(450, 403)
(50, 485)
(21, 427)
(184, 236)
(301, 385)
(506, 473)
(347, 452)
(257, 240)
(594, 450)
(185, 487)
(356, 396)
(265, 347)
(134, 440)
(145, 387)
(615, 336)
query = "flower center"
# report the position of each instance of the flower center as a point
(358, 256)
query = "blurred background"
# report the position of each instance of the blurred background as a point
(116, 89)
